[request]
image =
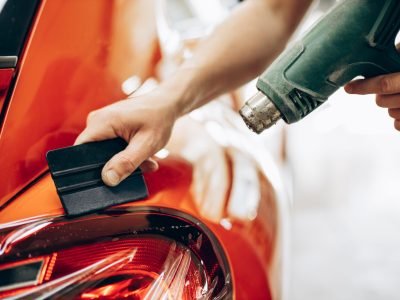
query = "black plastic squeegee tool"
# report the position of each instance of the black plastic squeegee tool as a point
(76, 172)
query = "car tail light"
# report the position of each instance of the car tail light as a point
(5, 80)
(129, 255)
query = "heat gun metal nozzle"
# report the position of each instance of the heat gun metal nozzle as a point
(259, 113)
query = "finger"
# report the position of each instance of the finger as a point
(394, 113)
(125, 162)
(388, 101)
(149, 165)
(397, 124)
(384, 84)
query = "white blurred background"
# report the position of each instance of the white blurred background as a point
(344, 174)
(345, 160)
(346, 217)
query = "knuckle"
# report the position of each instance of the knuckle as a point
(91, 116)
(150, 143)
(154, 140)
(100, 115)
(112, 117)
(385, 84)
(127, 164)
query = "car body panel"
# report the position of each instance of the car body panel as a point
(76, 59)
(73, 63)
(249, 235)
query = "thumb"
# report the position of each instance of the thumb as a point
(125, 162)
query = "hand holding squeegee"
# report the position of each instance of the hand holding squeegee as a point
(76, 172)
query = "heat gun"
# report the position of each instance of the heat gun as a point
(356, 38)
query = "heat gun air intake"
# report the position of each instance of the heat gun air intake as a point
(356, 38)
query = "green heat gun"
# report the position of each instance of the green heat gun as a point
(356, 38)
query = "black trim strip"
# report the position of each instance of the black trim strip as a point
(8, 62)
(15, 21)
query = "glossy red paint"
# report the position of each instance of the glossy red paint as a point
(75, 61)
(249, 244)
(67, 71)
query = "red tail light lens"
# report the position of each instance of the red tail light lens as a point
(126, 256)
(5, 79)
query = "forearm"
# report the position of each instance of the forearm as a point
(237, 51)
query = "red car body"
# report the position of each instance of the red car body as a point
(213, 193)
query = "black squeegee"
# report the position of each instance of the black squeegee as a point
(76, 172)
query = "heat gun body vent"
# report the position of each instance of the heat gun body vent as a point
(386, 32)
(303, 102)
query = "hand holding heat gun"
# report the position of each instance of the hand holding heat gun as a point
(357, 37)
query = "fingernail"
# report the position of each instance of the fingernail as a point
(112, 177)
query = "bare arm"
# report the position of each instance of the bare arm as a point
(238, 50)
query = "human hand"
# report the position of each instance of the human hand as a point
(387, 90)
(145, 122)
